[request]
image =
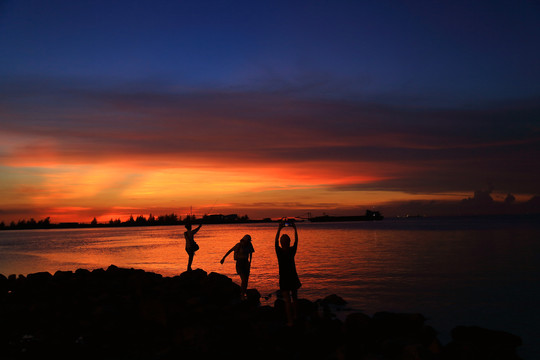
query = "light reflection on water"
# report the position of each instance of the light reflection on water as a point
(454, 271)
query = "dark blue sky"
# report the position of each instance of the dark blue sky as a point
(451, 52)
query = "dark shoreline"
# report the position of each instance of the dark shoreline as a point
(132, 314)
(529, 217)
(41, 225)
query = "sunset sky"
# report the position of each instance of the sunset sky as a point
(268, 108)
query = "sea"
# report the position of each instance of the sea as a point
(472, 271)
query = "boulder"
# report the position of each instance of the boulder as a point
(334, 300)
(129, 313)
(474, 342)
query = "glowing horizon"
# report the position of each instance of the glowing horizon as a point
(162, 164)
(79, 193)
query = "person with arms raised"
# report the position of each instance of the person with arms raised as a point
(289, 283)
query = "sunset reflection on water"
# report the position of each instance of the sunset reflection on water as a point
(326, 260)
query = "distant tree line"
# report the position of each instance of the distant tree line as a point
(174, 219)
(28, 224)
(151, 220)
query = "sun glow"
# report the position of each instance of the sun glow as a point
(81, 192)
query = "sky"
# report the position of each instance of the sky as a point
(268, 108)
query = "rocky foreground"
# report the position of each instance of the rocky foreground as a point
(132, 314)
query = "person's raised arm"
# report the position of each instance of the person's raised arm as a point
(197, 229)
(295, 235)
(277, 234)
(227, 254)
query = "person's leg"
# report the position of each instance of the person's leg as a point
(245, 281)
(248, 269)
(287, 298)
(243, 286)
(241, 271)
(294, 300)
(190, 261)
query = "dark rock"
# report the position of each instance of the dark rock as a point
(83, 274)
(334, 300)
(113, 268)
(399, 323)
(195, 274)
(39, 277)
(219, 287)
(329, 304)
(63, 276)
(253, 296)
(279, 306)
(358, 324)
(358, 333)
(478, 335)
(193, 277)
(219, 279)
(474, 342)
(132, 314)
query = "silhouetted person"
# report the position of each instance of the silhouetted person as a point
(288, 277)
(243, 252)
(191, 245)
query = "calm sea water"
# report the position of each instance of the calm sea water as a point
(481, 271)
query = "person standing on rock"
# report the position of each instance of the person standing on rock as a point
(191, 245)
(243, 253)
(288, 277)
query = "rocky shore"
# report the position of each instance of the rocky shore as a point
(132, 314)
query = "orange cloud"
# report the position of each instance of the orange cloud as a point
(111, 152)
